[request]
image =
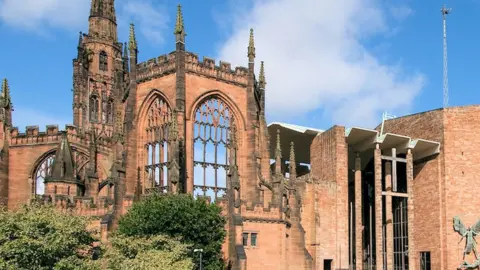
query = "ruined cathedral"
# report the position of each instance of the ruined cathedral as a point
(294, 197)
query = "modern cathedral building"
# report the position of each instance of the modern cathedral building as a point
(294, 197)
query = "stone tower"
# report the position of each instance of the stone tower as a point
(95, 68)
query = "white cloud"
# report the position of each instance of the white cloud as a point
(400, 12)
(23, 117)
(151, 19)
(32, 14)
(40, 15)
(315, 59)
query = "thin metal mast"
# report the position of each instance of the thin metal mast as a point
(445, 11)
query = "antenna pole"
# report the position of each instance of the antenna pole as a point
(445, 11)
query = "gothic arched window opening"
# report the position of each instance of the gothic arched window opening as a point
(93, 109)
(110, 112)
(41, 172)
(158, 120)
(103, 58)
(44, 169)
(212, 129)
(104, 104)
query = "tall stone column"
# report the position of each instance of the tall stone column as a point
(412, 252)
(358, 215)
(378, 207)
(389, 214)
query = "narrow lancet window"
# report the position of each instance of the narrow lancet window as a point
(94, 109)
(103, 61)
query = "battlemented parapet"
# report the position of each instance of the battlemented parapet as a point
(165, 64)
(52, 135)
(156, 67)
(222, 72)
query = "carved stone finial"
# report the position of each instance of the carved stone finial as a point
(80, 39)
(251, 45)
(179, 27)
(293, 164)
(278, 149)
(261, 77)
(5, 94)
(132, 40)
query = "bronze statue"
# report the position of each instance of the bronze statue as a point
(471, 244)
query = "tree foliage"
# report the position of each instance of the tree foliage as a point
(194, 221)
(135, 253)
(38, 237)
(145, 253)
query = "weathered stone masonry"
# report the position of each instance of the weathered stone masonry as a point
(294, 197)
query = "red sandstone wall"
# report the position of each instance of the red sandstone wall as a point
(22, 160)
(197, 87)
(269, 254)
(308, 217)
(329, 162)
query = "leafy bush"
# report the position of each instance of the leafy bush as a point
(194, 221)
(38, 237)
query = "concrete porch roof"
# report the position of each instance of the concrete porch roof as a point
(361, 139)
(301, 136)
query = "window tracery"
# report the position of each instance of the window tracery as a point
(212, 128)
(103, 58)
(42, 171)
(158, 121)
(44, 168)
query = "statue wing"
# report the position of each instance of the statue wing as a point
(458, 226)
(476, 227)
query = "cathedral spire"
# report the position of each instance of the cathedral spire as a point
(62, 167)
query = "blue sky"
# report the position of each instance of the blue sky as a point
(326, 62)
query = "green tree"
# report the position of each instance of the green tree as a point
(135, 253)
(38, 237)
(194, 221)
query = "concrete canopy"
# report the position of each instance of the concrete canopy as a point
(301, 136)
(361, 139)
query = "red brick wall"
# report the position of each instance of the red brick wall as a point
(444, 187)
(428, 185)
(462, 170)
